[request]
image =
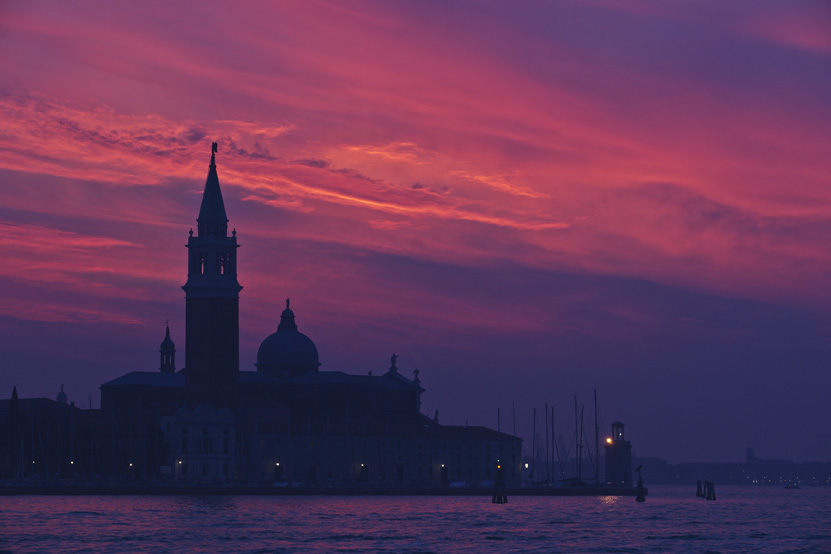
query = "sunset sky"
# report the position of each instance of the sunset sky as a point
(523, 200)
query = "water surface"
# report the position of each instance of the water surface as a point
(743, 519)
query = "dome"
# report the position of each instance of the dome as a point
(288, 352)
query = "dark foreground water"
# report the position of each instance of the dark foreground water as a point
(743, 519)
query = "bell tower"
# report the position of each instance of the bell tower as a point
(212, 303)
(167, 352)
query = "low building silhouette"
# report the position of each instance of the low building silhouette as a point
(753, 471)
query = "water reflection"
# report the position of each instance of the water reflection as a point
(207, 503)
(610, 501)
(758, 519)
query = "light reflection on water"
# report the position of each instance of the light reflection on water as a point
(743, 519)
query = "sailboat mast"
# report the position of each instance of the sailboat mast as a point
(580, 465)
(547, 466)
(513, 415)
(533, 446)
(557, 447)
(554, 448)
(576, 439)
(596, 443)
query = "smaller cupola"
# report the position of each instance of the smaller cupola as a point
(167, 350)
(62, 400)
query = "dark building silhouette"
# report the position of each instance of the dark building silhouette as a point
(212, 304)
(753, 471)
(167, 350)
(43, 437)
(618, 458)
(288, 421)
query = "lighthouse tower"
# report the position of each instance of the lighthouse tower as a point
(618, 458)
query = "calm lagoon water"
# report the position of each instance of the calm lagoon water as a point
(743, 519)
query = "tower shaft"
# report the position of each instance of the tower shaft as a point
(212, 305)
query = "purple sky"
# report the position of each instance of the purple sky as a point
(525, 201)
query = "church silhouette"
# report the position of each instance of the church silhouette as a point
(286, 422)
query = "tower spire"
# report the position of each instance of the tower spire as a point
(212, 218)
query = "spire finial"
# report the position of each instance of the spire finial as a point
(287, 319)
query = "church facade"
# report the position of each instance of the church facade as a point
(286, 421)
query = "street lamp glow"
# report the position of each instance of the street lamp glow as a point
(609, 440)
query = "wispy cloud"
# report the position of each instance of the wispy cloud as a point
(397, 151)
(503, 185)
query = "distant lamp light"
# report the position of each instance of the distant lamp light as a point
(362, 465)
(33, 461)
(180, 462)
(71, 462)
(526, 465)
(609, 440)
(441, 465)
(131, 464)
(498, 467)
(277, 464)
